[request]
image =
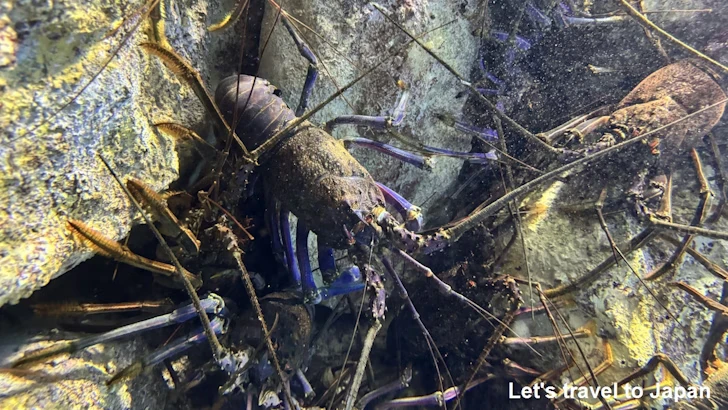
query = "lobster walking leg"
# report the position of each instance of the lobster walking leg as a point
(347, 281)
(275, 233)
(411, 214)
(293, 267)
(378, 122)
(417, 160)
(213, 304)
(311, 74)
(174, 348)
(308, 284)
(698, 219)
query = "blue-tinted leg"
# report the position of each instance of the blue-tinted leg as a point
(312, 73)
(293, 268)
(173, 349)
(212, 304)
(405, 156)
(537, 16)
(326, 260)
(275, 233)
(349, 280)
(410, 213)
(378, 122)
(308, 284)
(521, 42)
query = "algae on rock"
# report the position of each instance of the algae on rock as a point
(49, 169)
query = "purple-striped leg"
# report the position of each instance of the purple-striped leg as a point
(326, 260)
(521, 42)
(347, 281)
(275, 234)
(179, 345)
(405, 156)
(212, 304)
(378, 122)
(411, 214)
(308, 284)
(436, 399)
(285, 226)
(311, 74)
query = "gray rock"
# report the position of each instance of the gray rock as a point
(77, 380)
(49, 166)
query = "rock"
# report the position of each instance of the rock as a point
(353, 37)
(77, 380)
(49, 166)
(562, 246)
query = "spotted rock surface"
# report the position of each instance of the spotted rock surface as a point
(49, 169)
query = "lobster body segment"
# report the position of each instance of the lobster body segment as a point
(309, 173)
(666, 96)
(315, 177)
(260, 111)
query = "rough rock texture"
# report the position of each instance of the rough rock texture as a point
(48, 164)
(562, 246)
(77, 380)
(361, 36)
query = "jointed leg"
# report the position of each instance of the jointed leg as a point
(651, 365)
(288, 249)
(311, 74)
(378, 122)
(308, 285)
(212, 304)
(705, 194)
(411, 214)
(111, 249)
(632, 245)
(299, 266)
(177, 346)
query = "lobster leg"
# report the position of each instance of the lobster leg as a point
(347, 281)
(378, 122)
(419, 161)
(486, 134)
(300, 265)
(176, 347)
(436, 399)
(411, 214)
(700, 212)
(553, 136)
(308, 284)
(311, 74)
(213, 304)
(326, 260)
(652, 365)
(275, 234)
(293, 267)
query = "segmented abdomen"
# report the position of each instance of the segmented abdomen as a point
(261, 113)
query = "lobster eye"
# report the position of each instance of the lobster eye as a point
(277, 92)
